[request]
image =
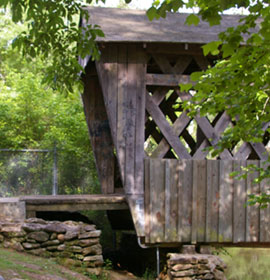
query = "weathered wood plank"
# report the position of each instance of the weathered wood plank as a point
(107, 73)
(73, 203)
(129, 105)
(195, 182)
(239, 201)
(167, 80)
(225, 202)
(201, 199)
(212, 201)
(99, 130)
(147, 209)
(252, 212)
(168, 183)
(185, 190)
(140, 120)
(121, 109)
(264, 213)
(157, 200)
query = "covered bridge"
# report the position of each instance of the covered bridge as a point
(148, 148)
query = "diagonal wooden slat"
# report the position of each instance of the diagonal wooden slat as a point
(166, 129)
(179, 125)
(209, 131)
(181, 64)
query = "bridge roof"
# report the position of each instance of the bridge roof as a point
(121, 25)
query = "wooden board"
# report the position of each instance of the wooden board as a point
(252, 214)
(225, 202)
(212, 201)
(73, 203)
(99, 130)
(198, 201)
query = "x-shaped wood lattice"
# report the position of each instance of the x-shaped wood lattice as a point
(169, 136)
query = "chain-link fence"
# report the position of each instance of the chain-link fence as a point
(45, 172)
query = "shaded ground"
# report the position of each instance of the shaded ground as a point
(18, 266)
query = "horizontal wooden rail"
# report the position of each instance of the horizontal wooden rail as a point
(74, 202)
(167, 79)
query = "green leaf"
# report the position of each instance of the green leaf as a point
(192, 19)
(212, 47)
(185, 87)
(195, 76)
(151, 13)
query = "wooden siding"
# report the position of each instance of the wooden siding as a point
(99, 130)
(121, 71)
(197, 201)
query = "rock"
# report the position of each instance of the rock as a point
(35, 220)
(89, 227)
(52, 248)
(71, 235)
(6, 244)
(71, 223)
(75, 249)
(88, 242)
(55, 227)
(61, 247)
(188, 249)
(30, 246)
(61, 237)
(178, 267)
(29, 227)
(50, 243)
(17, 246)
(39, 236)
(93, 258)
(90, 234)
(53, 236)
(1, 238)
(79, 256)
(92, 250)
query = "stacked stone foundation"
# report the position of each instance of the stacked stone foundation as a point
(195, 266)
(76, 242)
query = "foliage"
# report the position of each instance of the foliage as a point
(35, 116)
(53, 34)
(247, 263)
(239, 81)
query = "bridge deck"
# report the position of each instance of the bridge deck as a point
(74, 202)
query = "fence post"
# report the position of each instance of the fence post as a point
(55, 171)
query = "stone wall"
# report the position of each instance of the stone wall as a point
(195, 266)
(76, 242)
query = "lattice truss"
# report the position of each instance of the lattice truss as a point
(169, 132)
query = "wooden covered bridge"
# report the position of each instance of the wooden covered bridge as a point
(149, 152)
(148, 148)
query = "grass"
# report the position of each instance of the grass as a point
(24, 265)
(247, 263)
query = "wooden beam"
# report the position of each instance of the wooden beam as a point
(167, 80)
(99, 129)
(73, 203)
